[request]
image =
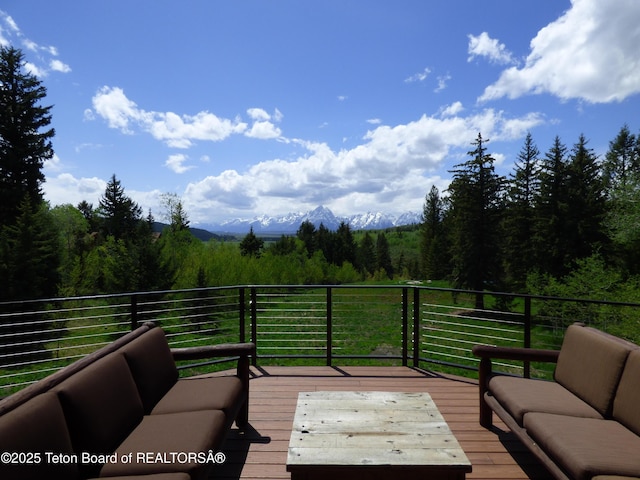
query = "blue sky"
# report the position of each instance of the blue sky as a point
(246, 108)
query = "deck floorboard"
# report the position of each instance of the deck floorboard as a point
(261, 452)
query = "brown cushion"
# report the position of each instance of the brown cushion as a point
(590, 365)
(179, 433)
(521, 395)
(585, 447)
(36, 426)
(211, 393)
(102, 405)
(152, 366)
(626, 405)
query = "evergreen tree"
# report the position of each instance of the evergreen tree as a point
(551, 205)
(586, 206)
(307, 233)
(120, 215)
(383, 255)
(251, 245)
(367, 259)
(345, 245)
(524, 186)
(25, 140)
(433, 245)
(476, 195)
(621, 166)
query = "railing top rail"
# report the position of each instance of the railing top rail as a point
(332, 286)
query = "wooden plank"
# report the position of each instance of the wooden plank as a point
(369, 429)
(495, 454)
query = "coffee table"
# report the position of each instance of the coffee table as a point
(372, 435)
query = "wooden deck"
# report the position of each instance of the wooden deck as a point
(261, 453)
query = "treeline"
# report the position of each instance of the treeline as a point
(558, 216)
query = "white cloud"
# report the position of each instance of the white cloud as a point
(262, 127)
(590, 53)
(374, 121)
(393, 166)
(177, 163)
(66, 189)
(258, 114)
(178, 131)
(451, 110)
(485, 46)
(442, 82)
(58, 66)
(37, 58)
(418, 77)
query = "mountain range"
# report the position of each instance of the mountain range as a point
(289, 223)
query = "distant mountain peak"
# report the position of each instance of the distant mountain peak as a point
(289, 223)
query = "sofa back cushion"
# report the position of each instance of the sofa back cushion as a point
(626, 405)
(590, 365)
(102, 406)
(33, 428)
(152, 366)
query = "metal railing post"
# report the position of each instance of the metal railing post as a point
(134, 312)
(527, 333)
(416, 327)
(254, 323)
(241, 315)
(405, 326)
(329, 327)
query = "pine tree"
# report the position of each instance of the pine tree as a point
(367, 255)
(621, 167)
(586, 206)
(551, 212)
(25, 141)
(119, 213)
(434, 252)
(383, 255)
(251, 245)
(524, 186)
(476, 195)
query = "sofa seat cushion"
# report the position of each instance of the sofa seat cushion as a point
(159, 444)
(590, 365)
(101, 405)
(626, 405)
(585, 447)
(37, 426)
(522, 395)
(204, 393)
(152, 366)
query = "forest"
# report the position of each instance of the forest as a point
(564, 222)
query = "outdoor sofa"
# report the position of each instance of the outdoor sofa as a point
(122, 412)
(586, 423)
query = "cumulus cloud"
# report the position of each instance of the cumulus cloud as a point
(66, 189)
(178, 131)
(393, 165)
(177, 163)
(485, 46)
(589, 53)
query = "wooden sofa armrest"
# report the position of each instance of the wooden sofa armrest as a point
(485, 368)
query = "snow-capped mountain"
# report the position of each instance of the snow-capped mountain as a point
(290, 222)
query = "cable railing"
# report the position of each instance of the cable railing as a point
(409, 324)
